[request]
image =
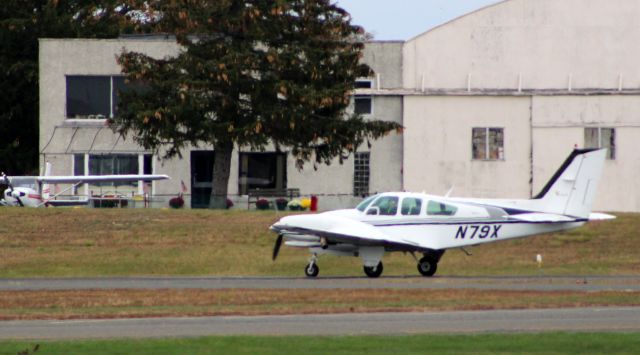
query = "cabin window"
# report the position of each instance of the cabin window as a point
(435, 208)
(411, 206)
(487, 143)
(598, 137)
(364, 204)
(387, 205)
(361, 173)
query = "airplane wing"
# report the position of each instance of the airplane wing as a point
(97, 178)
(340, 229)
(539, 217)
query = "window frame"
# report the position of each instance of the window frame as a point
(611, 149)
(112, 97)
(487, 144)
(359, 168)
(363, 97)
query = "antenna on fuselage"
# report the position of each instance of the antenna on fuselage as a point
(449, 192)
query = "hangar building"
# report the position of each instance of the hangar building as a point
(492, 103)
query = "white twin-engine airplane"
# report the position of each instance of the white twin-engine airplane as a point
(411, 222)
(34, 191)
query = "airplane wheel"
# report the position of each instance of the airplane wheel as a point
(427, 266)
(375, 271)
(311, 270)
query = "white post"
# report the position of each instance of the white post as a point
(378, 81)
(570, 84)
(140, 172)
(519, 82)
(619, 82)
(423, 82)
(469, 82)
(86, 173)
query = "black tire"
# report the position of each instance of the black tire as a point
(374, 271)
(311, 270)
(427, 267)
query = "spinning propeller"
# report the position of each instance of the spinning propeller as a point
(276, 247)
(11, 190)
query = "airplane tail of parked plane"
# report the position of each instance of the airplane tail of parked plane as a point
(46, 188)
(573, 187)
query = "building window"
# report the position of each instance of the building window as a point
(93, 96)
(361, 174)
(112, 164)
(363, 104)
(597, 137)
(262, 171)
(487, 143)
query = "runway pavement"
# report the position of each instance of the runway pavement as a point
(535, 283)
(577, 319)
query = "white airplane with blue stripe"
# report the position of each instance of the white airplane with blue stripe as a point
(427, 224)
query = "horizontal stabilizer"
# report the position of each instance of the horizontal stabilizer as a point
(542, 218)
(600, 216)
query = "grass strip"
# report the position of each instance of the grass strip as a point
(118, 242)
(540, 343)
(80, 304)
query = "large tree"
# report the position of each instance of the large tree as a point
(22, 23)
(251, 73)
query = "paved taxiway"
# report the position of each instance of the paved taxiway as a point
(577, 319)
(535, 283)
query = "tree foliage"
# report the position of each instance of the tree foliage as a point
(22, 23)
(251, 73)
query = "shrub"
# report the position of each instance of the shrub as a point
(262, 204)
(229, 203)
(176, 202)
(281, 203)
(295, 205)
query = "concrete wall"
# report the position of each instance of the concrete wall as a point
(542, 41)
(438, 147)
(558, 126)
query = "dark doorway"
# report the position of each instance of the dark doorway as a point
(201, 177)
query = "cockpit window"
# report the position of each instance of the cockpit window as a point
(364, 204)
(411, 206)
(435, 208)
(388, 205)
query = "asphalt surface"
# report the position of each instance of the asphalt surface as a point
(578, 319)
(535, 283)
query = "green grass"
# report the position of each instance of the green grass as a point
(112, 242)
(544, 343)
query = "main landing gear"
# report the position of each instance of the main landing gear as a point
(373, 271)
(428, 264)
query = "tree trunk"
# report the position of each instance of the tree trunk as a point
(221, 171)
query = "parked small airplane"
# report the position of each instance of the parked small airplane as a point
(412, 222)
(34, 191)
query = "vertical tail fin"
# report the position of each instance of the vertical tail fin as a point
(572, 188)
(46, 189)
